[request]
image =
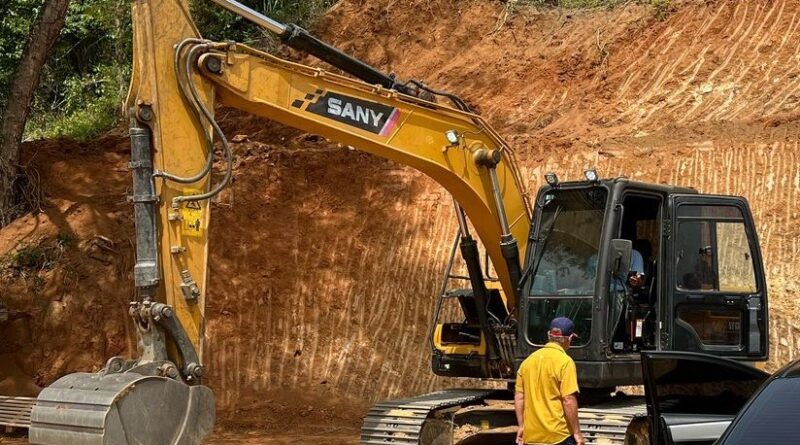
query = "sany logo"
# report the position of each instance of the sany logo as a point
(357, 113)
(374, 117)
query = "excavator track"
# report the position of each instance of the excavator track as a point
(15, 412)
(607, 423)
(604, 424)
(401, 422)
(477, 417)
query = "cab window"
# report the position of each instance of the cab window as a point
(697, 385)
(713, 251)
(564, 265)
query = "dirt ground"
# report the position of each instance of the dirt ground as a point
(325, 261)
(311, 434)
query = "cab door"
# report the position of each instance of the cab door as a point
(692, 398)
(716, 292)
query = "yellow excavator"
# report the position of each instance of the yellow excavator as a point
(569, 254)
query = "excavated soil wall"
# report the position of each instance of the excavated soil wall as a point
(325, 261)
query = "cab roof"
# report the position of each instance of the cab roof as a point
(627, 183)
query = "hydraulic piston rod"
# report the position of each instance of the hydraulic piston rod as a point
(300, 39)
(259, 19)
(508, 244)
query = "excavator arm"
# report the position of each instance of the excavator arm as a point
(178, 79)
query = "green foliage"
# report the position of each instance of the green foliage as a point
(15, 23)
(29, 257)
(83, 108)
(84, 81)
(218, 24)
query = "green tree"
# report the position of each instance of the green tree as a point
(85, 79)
(22, 85)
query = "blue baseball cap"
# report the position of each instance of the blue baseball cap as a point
(562, 327)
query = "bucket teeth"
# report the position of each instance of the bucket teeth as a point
(121, 409)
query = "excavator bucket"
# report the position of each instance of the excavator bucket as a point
(121, 409)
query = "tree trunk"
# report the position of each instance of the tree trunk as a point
(43, 35)
(119, 48)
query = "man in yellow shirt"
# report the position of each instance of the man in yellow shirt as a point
(546, 390)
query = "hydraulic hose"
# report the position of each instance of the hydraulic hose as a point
(195, 97)
(185, 95)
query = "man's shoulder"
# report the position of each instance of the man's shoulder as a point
(557, 356)
(529, 359)
(549, 354)
(525, 363)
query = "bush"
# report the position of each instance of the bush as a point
(86, 107)
(218, 24)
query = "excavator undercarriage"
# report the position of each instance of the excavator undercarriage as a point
(486, 417)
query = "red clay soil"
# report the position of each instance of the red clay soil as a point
(325, 261)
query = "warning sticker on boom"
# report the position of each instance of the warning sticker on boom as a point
(192, 215)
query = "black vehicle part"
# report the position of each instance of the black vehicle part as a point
(469, 251)
(298, 38)
(466, 299)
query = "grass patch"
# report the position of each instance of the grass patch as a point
(29, 259)
(89, 106)
(81, 125)
(31, 262)
(586, 3)
(65, 240)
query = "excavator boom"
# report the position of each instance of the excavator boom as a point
(178, 78)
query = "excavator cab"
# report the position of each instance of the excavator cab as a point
(693, 278)
(637, 267)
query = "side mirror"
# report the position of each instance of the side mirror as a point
(619, 259)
